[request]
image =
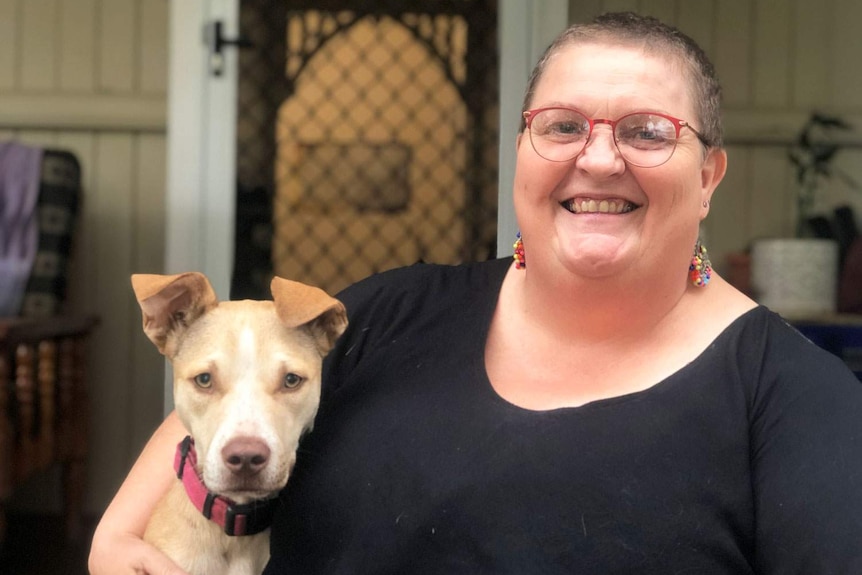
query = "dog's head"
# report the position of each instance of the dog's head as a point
(246, 374)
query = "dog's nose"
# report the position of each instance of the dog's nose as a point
(245, 455)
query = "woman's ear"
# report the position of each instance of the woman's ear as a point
(711, 173)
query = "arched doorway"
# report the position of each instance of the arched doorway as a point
(367, 139)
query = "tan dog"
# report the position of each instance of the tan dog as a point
(247, 386)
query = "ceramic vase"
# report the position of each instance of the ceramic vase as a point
(795, 277)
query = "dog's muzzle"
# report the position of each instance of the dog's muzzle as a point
(234, 519)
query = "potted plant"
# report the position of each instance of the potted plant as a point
(798, 276)
(812, 155)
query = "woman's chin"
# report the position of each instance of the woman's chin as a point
(591, 266)
(596, 257)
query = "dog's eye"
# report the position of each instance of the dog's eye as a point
(291, 380)
(203, 380)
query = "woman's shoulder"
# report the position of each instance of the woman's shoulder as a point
(403, 302)
(770, 350)
(760, 343)
(424, 280)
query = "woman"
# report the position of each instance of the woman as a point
(604, 405)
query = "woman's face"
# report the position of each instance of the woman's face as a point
(653, 221)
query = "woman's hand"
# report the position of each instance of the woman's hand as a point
(128, 554)
(118, 547)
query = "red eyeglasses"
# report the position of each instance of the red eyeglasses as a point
(644, 139)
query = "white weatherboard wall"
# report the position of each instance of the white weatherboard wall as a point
(90, 76)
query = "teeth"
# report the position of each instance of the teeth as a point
(589, 206)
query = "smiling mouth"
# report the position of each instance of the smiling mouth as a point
(591, 206)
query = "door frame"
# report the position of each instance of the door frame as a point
(200, 194)
(201, 164)
(526, 29)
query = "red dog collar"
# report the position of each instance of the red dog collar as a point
(247, 519)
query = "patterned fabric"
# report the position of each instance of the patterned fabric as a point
(59, 196)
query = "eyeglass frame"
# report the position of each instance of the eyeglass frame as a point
(678, 125)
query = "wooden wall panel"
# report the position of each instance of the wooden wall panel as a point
(732, 50)
(584, 10)
(37, 45)
(153, 50)
(845, 40)
(118, 42)
(111, 207)
(148, 248)
(620, 5)
(664, 10)
(771, 191)
(772, 20)
(698, 20)
(77, 54)
(149, 203)
(9, 53)
(726, 224)
(811, 42)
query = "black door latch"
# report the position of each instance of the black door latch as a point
(217, 42)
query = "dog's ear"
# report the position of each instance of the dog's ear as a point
(169, 304)
(298, 304)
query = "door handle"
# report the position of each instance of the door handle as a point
(217, 42)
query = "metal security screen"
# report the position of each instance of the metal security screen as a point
(367, 139)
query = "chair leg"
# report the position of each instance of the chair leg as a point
(74, 466)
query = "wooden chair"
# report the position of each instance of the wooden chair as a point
(43, 406)
(43, 392)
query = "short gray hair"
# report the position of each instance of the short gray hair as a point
(656, 38)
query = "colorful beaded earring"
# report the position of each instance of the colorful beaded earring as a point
(700, 270)
(520, 260)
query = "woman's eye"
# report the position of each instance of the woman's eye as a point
(568, 129)
(565, 128)
(204, 380)
(291, 380)
(645, 134)
(646, 131)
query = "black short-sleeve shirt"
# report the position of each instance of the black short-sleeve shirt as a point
(746, 460)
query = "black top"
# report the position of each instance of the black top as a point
(747, 460)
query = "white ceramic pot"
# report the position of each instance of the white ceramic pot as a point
(795, 277)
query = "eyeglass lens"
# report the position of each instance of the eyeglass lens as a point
(644, 140)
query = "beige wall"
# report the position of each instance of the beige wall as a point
(90, 76)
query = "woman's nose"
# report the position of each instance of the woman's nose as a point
(601, 155)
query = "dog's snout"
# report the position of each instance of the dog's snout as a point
(245, 455)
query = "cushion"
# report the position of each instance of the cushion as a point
(59, 196)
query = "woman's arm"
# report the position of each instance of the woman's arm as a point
(118, 547)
